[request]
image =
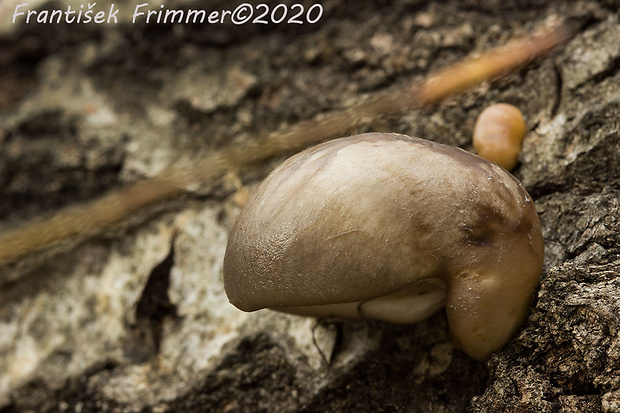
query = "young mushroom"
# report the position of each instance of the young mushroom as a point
(390, 227)
(499, 133)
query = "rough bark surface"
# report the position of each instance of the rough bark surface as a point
(137, 319)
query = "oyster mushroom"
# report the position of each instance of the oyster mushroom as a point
(390, 227)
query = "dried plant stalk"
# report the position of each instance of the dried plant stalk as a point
(84, 220)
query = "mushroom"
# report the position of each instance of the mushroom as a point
(389, 227)
(499, 133)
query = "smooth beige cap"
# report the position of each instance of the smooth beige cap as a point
(377, 224)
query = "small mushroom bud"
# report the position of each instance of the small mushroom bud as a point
(390, 227)
(499, 133)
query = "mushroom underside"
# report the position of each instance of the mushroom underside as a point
(411, 304)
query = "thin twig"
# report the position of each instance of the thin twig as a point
(87, 219)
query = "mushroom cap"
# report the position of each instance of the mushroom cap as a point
(390, 227)
(499, 133)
